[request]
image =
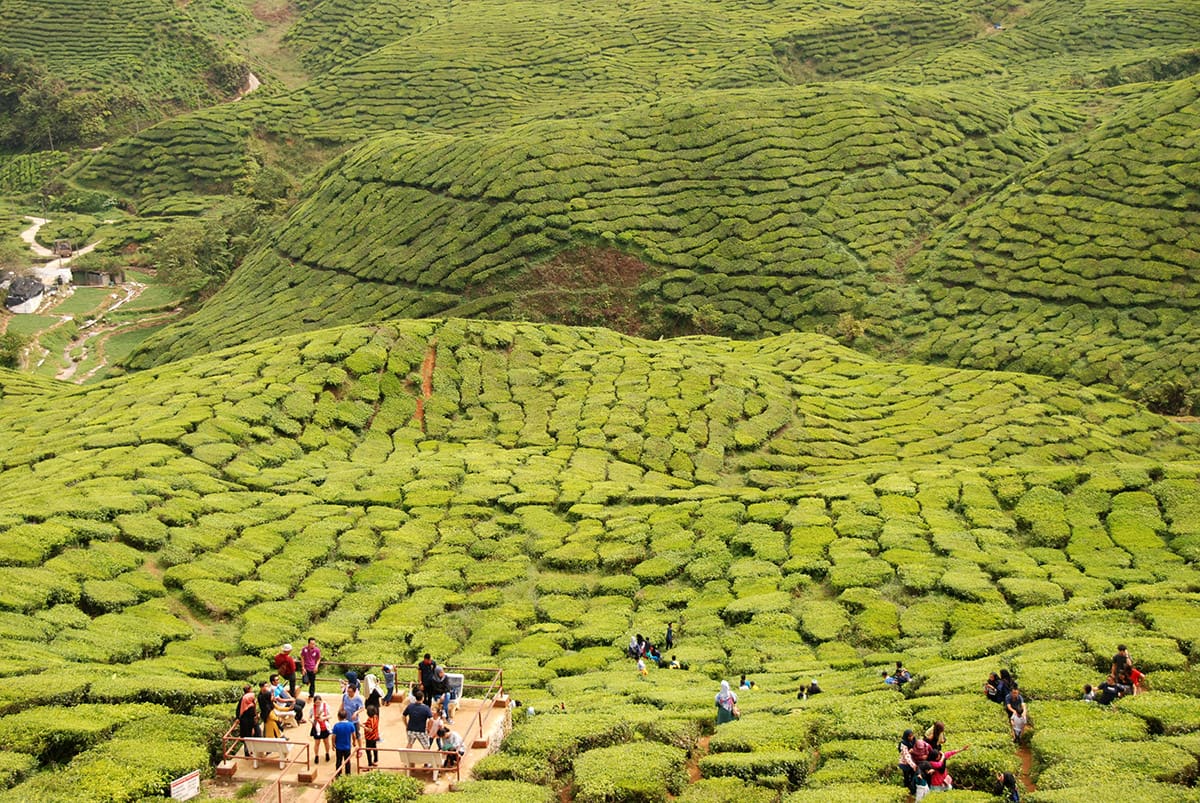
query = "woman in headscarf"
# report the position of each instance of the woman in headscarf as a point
(247, 714)
(726, 704)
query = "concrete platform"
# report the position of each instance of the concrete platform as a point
(302, 783)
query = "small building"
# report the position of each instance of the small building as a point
(25, 294)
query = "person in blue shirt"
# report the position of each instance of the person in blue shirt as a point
(343, 740)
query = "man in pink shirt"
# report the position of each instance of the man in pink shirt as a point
(310, 662)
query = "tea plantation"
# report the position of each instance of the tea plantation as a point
(531, 496)
(962, 183)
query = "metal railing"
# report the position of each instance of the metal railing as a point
(231, 741)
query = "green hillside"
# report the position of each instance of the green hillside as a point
(529, 496)
(928, 174)
(82, 71)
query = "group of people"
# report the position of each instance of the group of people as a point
(1002, 688)
(1124, 679)
(640, 648)
(898, 677)
(427, 706)
(924, 759)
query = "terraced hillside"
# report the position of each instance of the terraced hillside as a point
(129, 63)
(740, 169)
(532, 495)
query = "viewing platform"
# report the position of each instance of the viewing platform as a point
(289, 772)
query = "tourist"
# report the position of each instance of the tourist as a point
(809, 690)
(641, 668)
(246, 715)
(371, 735)
(1006, 787)
(1089, 694)
(374, 697)
(654, 655)
(266, 699)
(920, 750)
(389, 682)
(745, 684)
(727, 708)
(674, 663)
(923, 780)
(935, 736)
(1017, 714)
(992, 688)
(416, 717)
(310, 662)
(908, 765)
(351, 679)
(425, 673)
(901, 674)
(352, 706)
(271, 729)
(1122, 666)
(344, 734)
(632, 649)
(439, 689)
(285, 665)
(435, 722)
(940, 780)
(450, 742)
(1109, 691)
(284, 703)
(669, 641)
(320, 728)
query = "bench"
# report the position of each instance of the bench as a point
(286, 717)
(414, 760)
(258, 746)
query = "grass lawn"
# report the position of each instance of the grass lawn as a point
(84, 301)
(29, 325)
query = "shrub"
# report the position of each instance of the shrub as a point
(852, 793)
(513, 767)
(557, 739)
(640, 772)
(792, 765)
(375, 787)
(54, 734)
(491, 791)
(726, 790)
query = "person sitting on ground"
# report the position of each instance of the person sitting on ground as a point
(632, 649)
(416, 717)
(813, 688)
(674, 663)
(746, 684)
(1089, 694)
(1007, 681)
(654, 655)
(1017, 715)
(450, 742)
(1006, 787)
(901, 674)
(992, 689)
(888, 679)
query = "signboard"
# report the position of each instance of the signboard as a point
(187, 787)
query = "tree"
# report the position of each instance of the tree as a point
(11, 346)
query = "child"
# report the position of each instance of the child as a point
(641, 667)
(320, 728)
(371, 734)
(435, 722)
(389, 683)
(343, 740)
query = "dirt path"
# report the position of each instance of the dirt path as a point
(1026, 777)
(30, 238)
(693, 763)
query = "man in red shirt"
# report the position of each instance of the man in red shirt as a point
(285, 664)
